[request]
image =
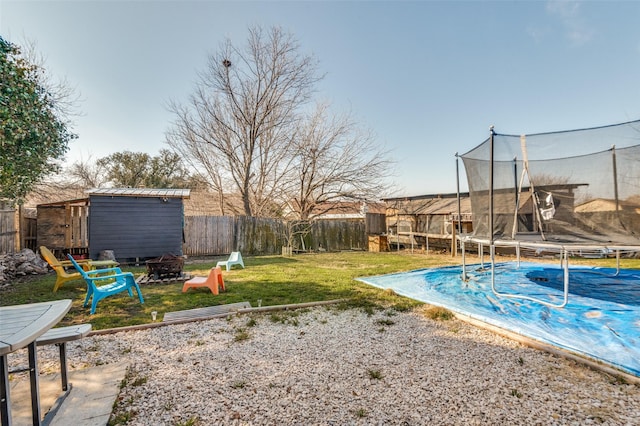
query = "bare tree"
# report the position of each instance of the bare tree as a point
(335, 160)
(239, 123)
(201, 157)
(86, 174)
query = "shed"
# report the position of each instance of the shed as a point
(136, 223)
(62, 226)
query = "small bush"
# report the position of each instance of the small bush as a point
(139, 381)
(375, 374)
(193, 421)
(439, 314)
(241, 335)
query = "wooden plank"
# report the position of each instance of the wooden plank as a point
(205, 312)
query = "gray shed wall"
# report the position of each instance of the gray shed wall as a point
(135, 227)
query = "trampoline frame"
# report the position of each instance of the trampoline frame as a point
(562, 249)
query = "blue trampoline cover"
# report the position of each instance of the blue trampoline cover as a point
(600, 321)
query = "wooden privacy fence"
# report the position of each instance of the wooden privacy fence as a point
(208, 235)
(213, 235)
(337, 234)
(7, 231)
(375, 223)
(258, 235)
(216, 235)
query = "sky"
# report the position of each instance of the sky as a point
(428, 78)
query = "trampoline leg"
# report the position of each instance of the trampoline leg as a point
(492, 251)
(566, 278)
(464, 264)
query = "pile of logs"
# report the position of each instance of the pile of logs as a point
(25, 262)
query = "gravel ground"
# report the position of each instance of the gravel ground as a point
(325, 366)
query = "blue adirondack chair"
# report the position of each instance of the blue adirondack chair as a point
(114, 281)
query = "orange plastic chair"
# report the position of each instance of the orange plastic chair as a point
(214, 281)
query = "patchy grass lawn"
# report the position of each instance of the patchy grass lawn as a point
(275, 280)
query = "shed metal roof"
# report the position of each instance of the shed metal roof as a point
(140, 192)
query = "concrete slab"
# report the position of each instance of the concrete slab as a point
(20, 392)
(89, 403)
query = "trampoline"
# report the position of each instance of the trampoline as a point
(601, 319)
(570, 193)
(558, 194)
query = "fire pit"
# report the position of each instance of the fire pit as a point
(167, 265)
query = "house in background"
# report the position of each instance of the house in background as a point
(621, 215)
(427, 220)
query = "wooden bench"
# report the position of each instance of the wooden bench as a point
(59, 337)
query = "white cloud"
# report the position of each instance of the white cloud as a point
(574, 24)
(537, 33)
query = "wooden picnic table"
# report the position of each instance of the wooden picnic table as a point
(21, 325)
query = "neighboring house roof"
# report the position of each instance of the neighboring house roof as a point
(346, 210)
(606, 205)
(206, 203)
(52, 193)
(140, 192)
(425, 197)
(337, 209)
(429, 205)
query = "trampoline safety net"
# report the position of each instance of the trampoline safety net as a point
(579, 186)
